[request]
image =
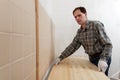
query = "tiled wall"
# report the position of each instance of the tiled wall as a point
(17, 40)
(46, 39)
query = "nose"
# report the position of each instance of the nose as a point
(77, 18)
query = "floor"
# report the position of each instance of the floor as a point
(76, 68)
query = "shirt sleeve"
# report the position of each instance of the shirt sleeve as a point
(105, 41)
(71, 48)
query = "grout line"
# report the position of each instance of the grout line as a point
(15, 33)
(6, 33)
(10, 70)
(20, 59)
(6, 65)
(12, 33)
(32, 54)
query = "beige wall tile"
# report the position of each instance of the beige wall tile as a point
(17, 71)
(34, 60)
(4, 48)
(22, 22)
(17, 39)
(5, 74)
(32, 76)
(29, 65)
(17, 19)
(29, 23)
(27, 45)
(16, 47)
(5, 19)
(26, 5)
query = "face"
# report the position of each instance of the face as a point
(80, 17)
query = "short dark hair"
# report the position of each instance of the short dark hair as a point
(82, 9)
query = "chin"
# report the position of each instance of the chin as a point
(79, 23)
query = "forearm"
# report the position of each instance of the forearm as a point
(69, 50)
(104, 40)
(107, 52)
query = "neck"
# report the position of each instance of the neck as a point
(84, 25)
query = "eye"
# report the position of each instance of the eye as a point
(75, 16)
(79, 15)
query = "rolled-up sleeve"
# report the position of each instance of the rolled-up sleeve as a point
(71, 48)
(104, 40)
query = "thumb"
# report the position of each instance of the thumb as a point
(104, 68)
(99, 68)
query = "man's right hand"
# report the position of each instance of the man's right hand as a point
(102, 66)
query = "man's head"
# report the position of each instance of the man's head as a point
(80, 15)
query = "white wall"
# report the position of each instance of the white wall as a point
(47, 4)
(106, 11)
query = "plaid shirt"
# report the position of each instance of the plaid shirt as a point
(94, 40)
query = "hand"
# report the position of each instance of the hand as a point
(56, 61)
(102, 66)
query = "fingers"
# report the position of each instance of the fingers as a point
(104, 69)
(99, 69)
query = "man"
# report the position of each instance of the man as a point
(93, 38)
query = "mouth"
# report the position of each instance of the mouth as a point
(79, 22)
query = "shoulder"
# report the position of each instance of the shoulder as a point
(96, 25)
(95, 22)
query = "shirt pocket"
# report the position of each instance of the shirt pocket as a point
(90, 37)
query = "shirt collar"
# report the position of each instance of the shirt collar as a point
(87, 25)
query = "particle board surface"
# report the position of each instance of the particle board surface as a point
(76, 68)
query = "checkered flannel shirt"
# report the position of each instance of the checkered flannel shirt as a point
(94, 40)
